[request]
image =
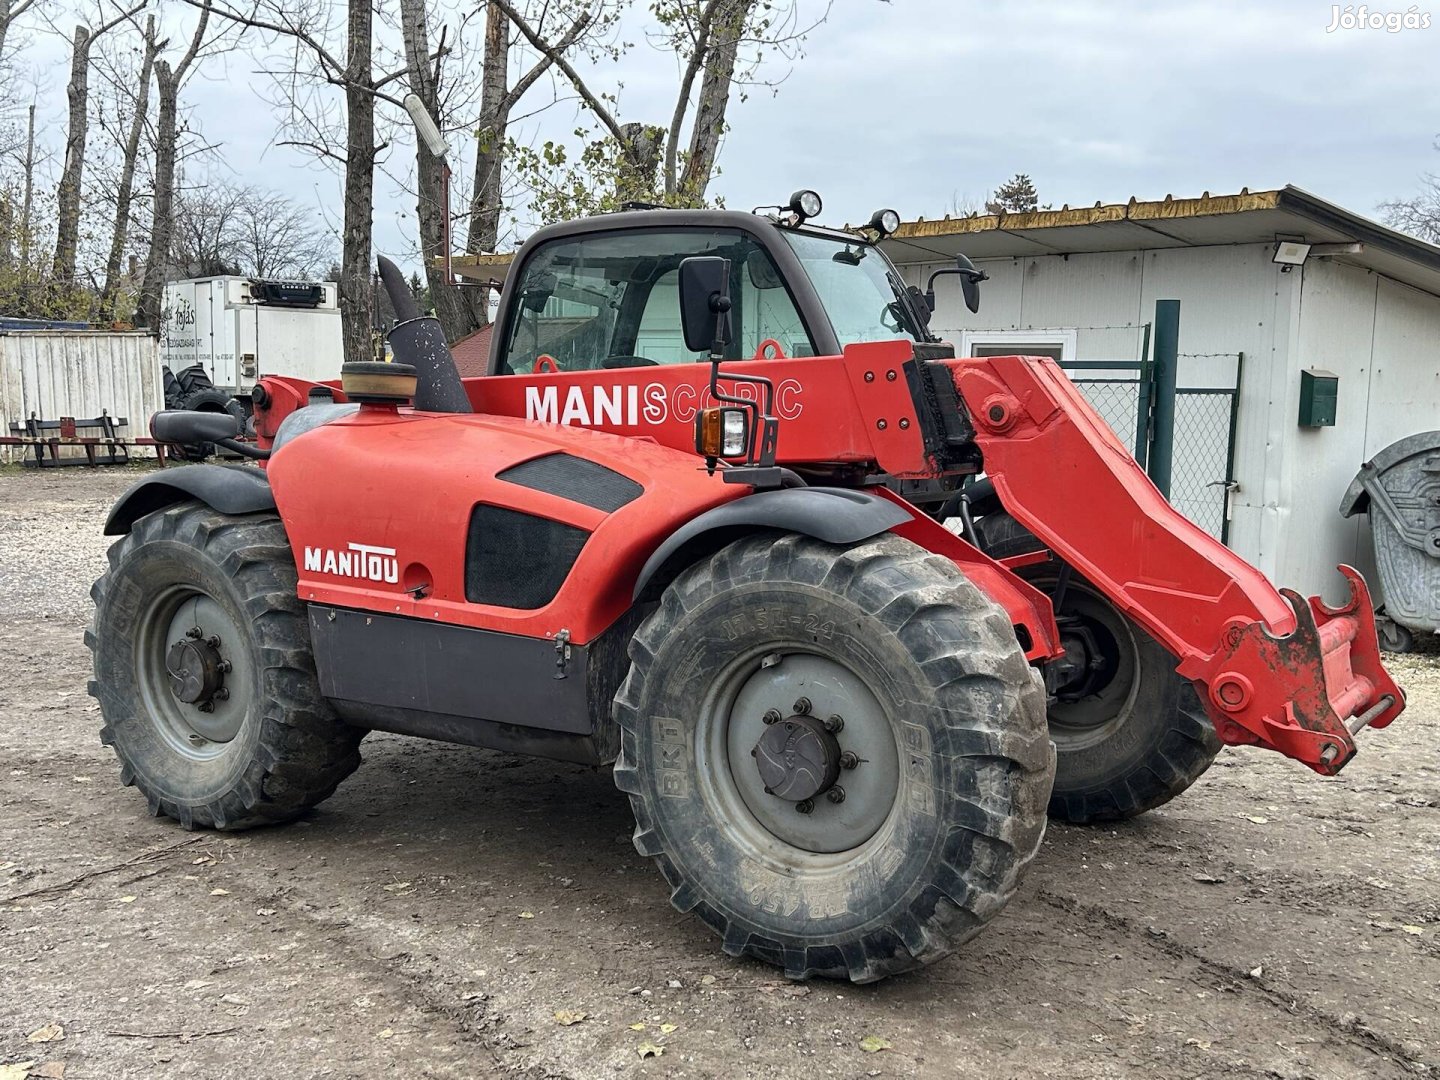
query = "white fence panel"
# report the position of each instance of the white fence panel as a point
(79, 373)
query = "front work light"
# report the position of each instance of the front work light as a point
(805, 204)
(722, 432)
(884, 222)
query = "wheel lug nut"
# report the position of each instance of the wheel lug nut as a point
(805, 806)
(772, 716)
(848, 760)
(194, 633)
(802, 705)
(836, 794)
(213, 641)
(221, 694)
(835, 725)
(224, 667)
(207, 706)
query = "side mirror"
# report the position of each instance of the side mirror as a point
(705, 302)
(970, 279)
(183, 427)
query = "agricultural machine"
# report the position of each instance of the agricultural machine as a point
(846, 613)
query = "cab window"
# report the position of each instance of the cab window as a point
(611, 300)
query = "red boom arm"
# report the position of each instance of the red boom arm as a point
(1273, 669)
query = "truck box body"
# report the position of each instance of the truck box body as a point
(239, 329)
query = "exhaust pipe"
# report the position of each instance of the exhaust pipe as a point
(418, 340)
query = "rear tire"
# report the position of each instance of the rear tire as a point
(1143, 736)
(946, 798)
(268, 747)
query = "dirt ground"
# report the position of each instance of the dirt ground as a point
(432, 918)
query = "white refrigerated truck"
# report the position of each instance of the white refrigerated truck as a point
(218, 335)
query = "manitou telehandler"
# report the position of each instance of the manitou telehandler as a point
(691, 523)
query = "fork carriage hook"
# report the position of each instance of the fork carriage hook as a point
(769, 349)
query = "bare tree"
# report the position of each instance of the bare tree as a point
(67, 218)
(304, 25)
(273, 237)
(226, 228)
(10, 10)
(462, 310)
(459, 311)
(720, 43)
(168, 80)
(498, 99)
(1418, 215)
(124, 192)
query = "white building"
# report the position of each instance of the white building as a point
(1363, 303)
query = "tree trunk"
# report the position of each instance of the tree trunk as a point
(29, 197)
(490, 149)
(455, 308)
(9, 12)
(167, 90)
(359, 188)
(638, 179)
(67, 218)
(126, 188)
(725, 31)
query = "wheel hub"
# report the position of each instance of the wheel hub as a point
(196, 669)
(809, 752)
(798, 758)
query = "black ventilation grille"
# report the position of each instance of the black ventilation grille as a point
(575, 479)
(517, 560)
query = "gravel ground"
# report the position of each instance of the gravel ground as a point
(432, 918)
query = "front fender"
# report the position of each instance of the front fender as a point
(231, 489)
(834, 515)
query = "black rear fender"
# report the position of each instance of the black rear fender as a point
(230, 489)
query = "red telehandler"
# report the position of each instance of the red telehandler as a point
(693, 523)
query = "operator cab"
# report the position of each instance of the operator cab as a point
(603, 293)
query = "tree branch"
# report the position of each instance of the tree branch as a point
(544, 64)
(687, 84)
(549, 51)
(116, 21)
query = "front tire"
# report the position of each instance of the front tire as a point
(801, 651)
(1135, 734)
(204, 673)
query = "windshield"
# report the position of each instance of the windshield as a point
(854, 282)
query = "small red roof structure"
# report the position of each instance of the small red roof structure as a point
(472, 352)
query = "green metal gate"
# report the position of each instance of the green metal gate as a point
(1190, 452)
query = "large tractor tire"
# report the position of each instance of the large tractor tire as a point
(1130, 733)
(836, 755)
(192, 389)
(204, 673)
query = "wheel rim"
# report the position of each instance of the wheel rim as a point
(194, 674)
(830, 812)
(1101, 639)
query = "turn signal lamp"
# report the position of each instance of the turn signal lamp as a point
(721, 432)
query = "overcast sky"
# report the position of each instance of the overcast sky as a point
(914, 103)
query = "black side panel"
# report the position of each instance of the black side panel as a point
(517, 560)
(532, 742)
(575, 479)
(453, 671)
(231, 489)
(834, 515)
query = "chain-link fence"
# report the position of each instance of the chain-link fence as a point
(1204, 444)
(1118, 403)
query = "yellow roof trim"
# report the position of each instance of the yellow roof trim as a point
(1160, 210)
